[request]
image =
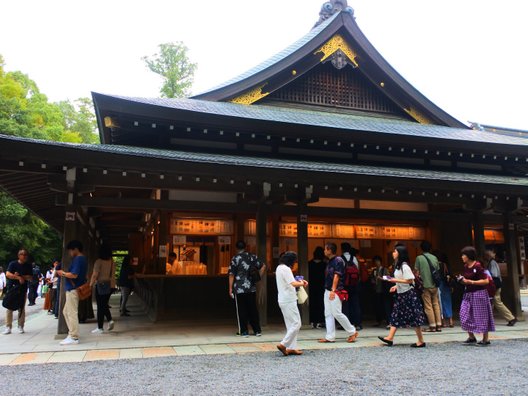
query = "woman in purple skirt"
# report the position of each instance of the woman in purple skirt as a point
(476, 314)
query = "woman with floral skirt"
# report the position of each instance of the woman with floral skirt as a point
(407, 310)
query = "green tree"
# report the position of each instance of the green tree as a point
(20, 228)
(26, 112)
(174, 66)
(79, 121)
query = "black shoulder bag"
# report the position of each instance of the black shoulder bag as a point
(14, 298)
(435, 273)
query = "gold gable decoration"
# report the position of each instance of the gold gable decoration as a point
(417, 116)
(251, 96)
(337, 43)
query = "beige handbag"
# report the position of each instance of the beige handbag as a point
(302, 296)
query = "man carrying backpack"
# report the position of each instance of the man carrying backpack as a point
(18, 275)
(244, 271)
(334, 294)
(427, 268)
(352, 307)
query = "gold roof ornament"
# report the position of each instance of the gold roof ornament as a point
(337, 45)
(251, 96)
(417, 116)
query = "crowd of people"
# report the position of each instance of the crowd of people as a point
(24, 282)
(403, 295)
(415, 296)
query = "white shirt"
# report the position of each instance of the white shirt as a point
(284, 278)
(494, 269)
(54, 279)
(49, 275)
(403, 273)
(2, 280)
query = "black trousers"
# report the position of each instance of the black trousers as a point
(32, 295)
(383, 302)
(352, 308)
(247, 312)
(102, 308)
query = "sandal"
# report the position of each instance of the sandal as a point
(324, 341)
(353, 337)
(470, 341)
(430, 330)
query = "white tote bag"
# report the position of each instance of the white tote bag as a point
(302, 296)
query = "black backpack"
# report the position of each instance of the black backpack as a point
(14, 298)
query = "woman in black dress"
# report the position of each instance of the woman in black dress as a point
(316, 274)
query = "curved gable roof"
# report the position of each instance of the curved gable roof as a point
(303, 56)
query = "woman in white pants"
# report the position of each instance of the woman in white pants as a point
(286, 285)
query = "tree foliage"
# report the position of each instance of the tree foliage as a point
(174, 66)
(26, 112)
(20, 228)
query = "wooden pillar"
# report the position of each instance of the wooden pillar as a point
(510, 292)
(163, 242)
(275, 240)
(69, 233)
(302, 253)
(262, 286)
(478, 233)
(239, 228)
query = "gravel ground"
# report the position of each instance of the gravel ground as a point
(446, 369)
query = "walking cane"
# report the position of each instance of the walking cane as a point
(236, 308)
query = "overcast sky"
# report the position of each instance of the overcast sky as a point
(467, 56)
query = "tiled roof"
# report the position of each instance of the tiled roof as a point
(269, 163)
(277, 57)
(340, 121)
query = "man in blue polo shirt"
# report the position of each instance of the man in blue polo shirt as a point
(71, 280)
(19, 272)
(335, 269)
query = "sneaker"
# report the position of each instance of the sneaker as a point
(21, 330)
(110, 325)
(69, 341)
(97, 331)
(258, 334)
(7, 331)
(245, 335)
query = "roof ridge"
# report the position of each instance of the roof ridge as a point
(275, 58)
